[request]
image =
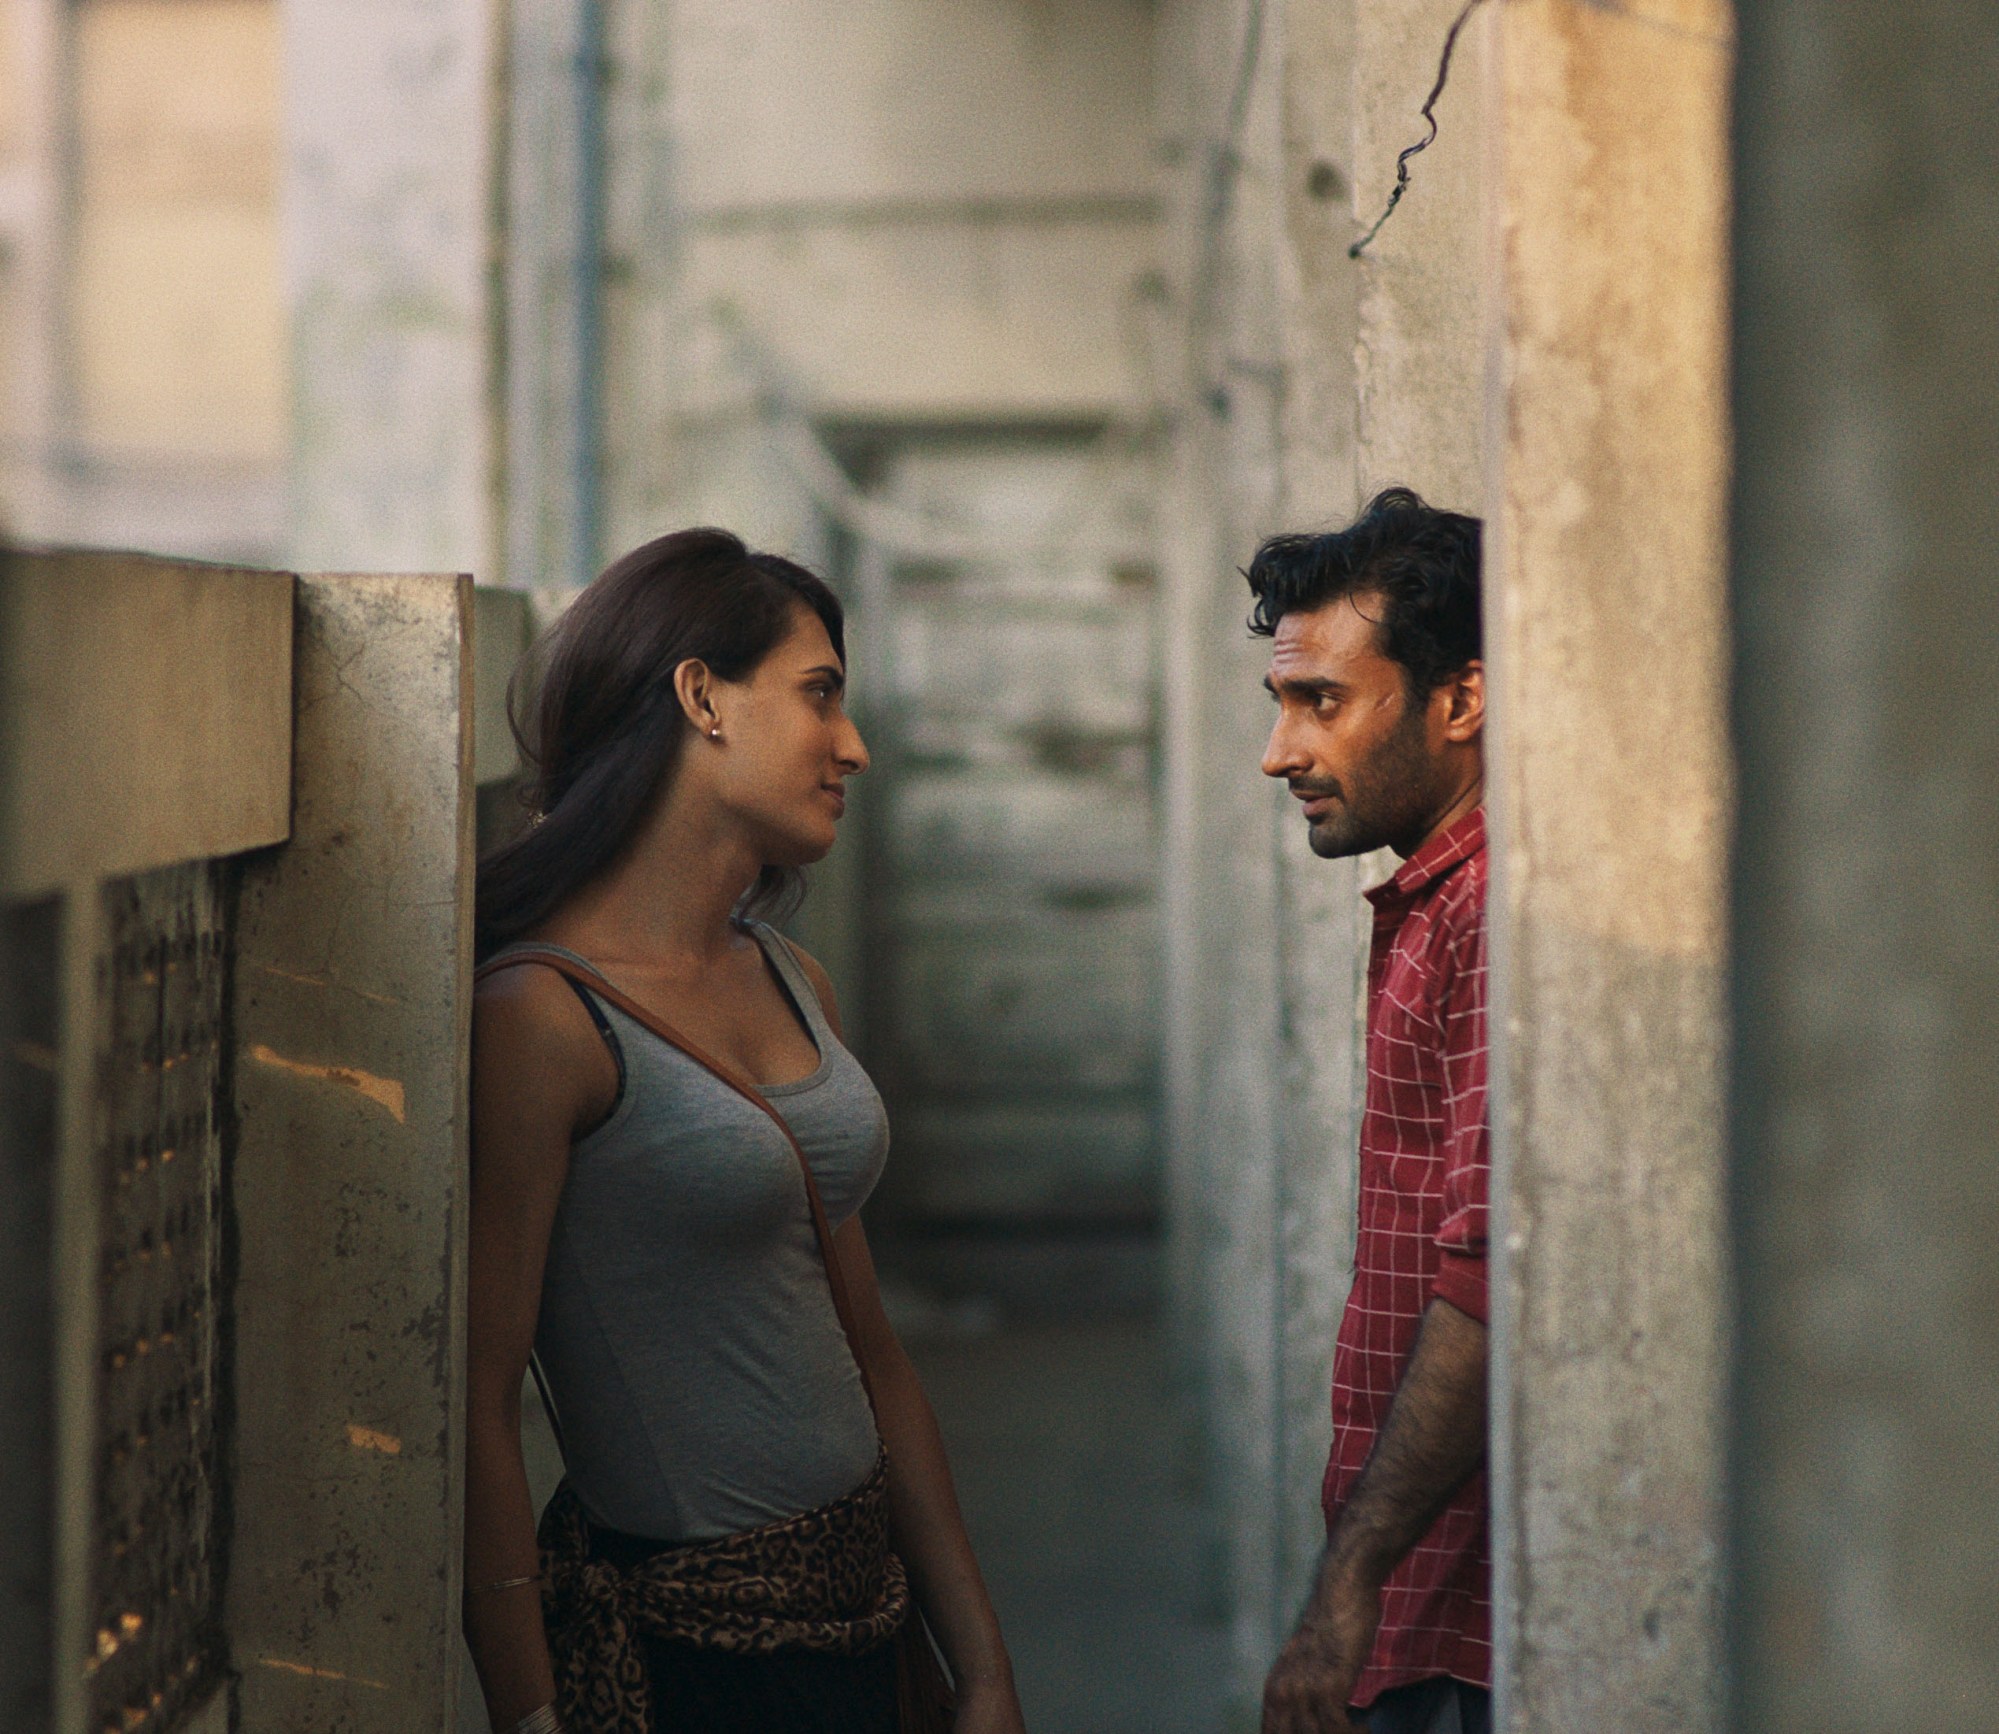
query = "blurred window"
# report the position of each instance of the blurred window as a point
(176, 314)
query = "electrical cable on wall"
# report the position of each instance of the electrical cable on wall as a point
(1424, 143)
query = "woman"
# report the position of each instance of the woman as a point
(641, 1220)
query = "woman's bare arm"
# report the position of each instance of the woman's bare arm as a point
(928, 1526)
(540, 1075)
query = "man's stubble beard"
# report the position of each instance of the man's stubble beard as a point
(1386, 802)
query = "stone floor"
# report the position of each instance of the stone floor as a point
(1067, 1456)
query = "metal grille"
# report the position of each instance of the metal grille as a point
(157, 1636)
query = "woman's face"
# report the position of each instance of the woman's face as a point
(787, 746)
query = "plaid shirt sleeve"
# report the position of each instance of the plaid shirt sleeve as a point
(1467, 1132)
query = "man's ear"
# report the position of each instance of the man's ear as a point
(694, 686)
(1464, 716)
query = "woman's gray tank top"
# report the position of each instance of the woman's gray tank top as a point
(702, 1380)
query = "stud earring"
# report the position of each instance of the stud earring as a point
(715, 733)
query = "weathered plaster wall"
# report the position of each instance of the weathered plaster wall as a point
(1261, 937)
(551, 218)
(1419, 364)
(1867, 925)
(1609, 788)
(386, 202)
(884, 212)
(352, 1022)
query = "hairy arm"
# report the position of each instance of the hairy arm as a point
(1431, 1443)
(539, 1076)
(924, 1516)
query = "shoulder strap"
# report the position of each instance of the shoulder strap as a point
(791, 966)
(744, 1087)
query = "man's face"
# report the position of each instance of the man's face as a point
(1348, 740)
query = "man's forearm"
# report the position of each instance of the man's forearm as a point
(1430, 1444)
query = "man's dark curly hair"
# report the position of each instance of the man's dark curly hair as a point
(1423, 563)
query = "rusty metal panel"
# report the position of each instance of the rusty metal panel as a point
(156, 1643)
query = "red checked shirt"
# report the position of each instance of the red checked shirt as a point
(1424, 1156)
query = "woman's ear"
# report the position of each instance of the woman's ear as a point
(694, 685)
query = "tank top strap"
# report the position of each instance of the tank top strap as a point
(784, 959)
(600, 1013)
(538, 945)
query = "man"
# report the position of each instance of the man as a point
(1375, 667)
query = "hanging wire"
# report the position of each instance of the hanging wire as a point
(1430, 138)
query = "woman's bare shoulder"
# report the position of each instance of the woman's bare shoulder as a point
(528, 1015)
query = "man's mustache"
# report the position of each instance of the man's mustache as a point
(1313, 791)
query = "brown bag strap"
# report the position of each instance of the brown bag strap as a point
(744, 1087)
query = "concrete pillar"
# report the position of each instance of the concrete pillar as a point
(387, 195)
(1865, 1533)
(1609, 795)
(553, 253)
(1322, 948)
(1263, 963)
(352, 1029)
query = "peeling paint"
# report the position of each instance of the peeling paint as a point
(324, 981)
(385, 1091)
(321, 1673)
(368, 1439)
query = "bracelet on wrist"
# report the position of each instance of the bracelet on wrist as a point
(542, 1721)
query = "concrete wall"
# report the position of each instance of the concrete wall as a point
(883, 212)
(352, 1022)
(236, 1106)
(1419, 367)
(552, 214)
(1263, 957)
(146, 718)
(1866, 571)
(117, 966)
(1609, 787)
(1488, 349)
(387, 190)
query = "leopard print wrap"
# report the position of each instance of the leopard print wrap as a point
(823, 1580)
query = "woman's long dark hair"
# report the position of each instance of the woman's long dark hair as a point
(601, 727)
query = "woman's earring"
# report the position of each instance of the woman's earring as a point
(715, 733)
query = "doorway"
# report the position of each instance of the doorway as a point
(1005, 898)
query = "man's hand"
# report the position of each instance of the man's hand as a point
(1314, 1674)
(1431, 1442)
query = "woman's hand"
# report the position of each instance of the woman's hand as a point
(989, 1706)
